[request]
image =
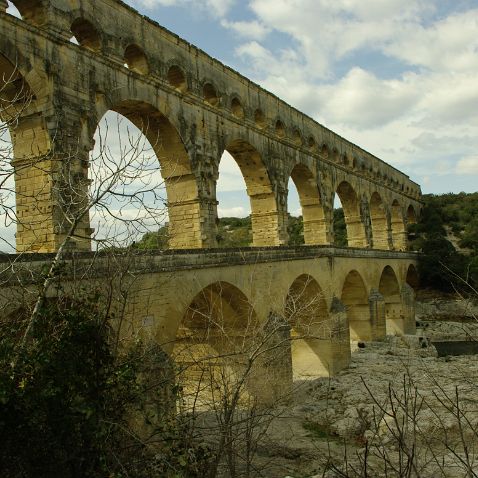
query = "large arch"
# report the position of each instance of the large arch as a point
(24, 170)
(216, 338)
(183, 205)
(267, 224)
(389, 288)
(355, 297)
(315, 231)
(355, 228)
(378, 217)
(306, 312)
(399, 234)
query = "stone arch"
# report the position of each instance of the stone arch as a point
(324, 151)
(280, 129)
(412, 217)
(266, 229)
(86, 34)
(297, 137)
(355, 297)
(237, 108)
(389, 288)
(307, 314)
(315, 231)
(210, 94)
(180, 182)
(399, 235)
(213, 342)
(135, 59)
(32, 11)
(379, 220)
(25, 128)
(311, 143)
(355, 228)
(177, 78)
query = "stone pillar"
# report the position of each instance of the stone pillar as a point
(51, 185)
(340, 336)
(356, 236)
(377, 315)
(408, 309)
(273, 378)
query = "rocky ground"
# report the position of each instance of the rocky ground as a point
(396, 406)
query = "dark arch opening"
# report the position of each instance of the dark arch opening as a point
(379, 222)
(307, 313)
(31, 11)
(136, 60)
(351, 208)
(210, 94)
(86, 34)
(411, 215)
(355, 297)
(155, 166)
(280, 129)
(237, 108)
(177, 78)
(311, 143)
(314, 226)
(214, 339)
(297, 137)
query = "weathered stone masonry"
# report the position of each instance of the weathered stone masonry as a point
(192, 108)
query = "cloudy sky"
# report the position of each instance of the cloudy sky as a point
(399, 78)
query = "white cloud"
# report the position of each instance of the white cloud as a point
(218, 8)
(237, 211)
(467, 165)
(252, 29)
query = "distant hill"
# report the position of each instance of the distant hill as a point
(447, 234)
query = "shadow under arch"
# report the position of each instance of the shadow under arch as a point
(213, 345)
(267, 225)
(355, 297)
(399, 233)
(180, 182)
(412, 217)
(378, 217)
(350, 203)
(389, 288)
(315, 231)
(311, 329)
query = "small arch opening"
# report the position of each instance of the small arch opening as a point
(177, 78)
(210, 94)
(280, 129)
(136, 60)
(353, 220)
(86, 34)
(237, 108)
(260, 119)
(324, 151)
(311, 143)
(297, 137)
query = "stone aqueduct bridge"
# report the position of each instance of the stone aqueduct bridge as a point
(192, 108)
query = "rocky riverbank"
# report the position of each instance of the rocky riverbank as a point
(397, 405)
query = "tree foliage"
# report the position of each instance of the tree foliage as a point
(447, 234)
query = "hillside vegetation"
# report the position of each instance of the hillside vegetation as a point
(447, 234)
